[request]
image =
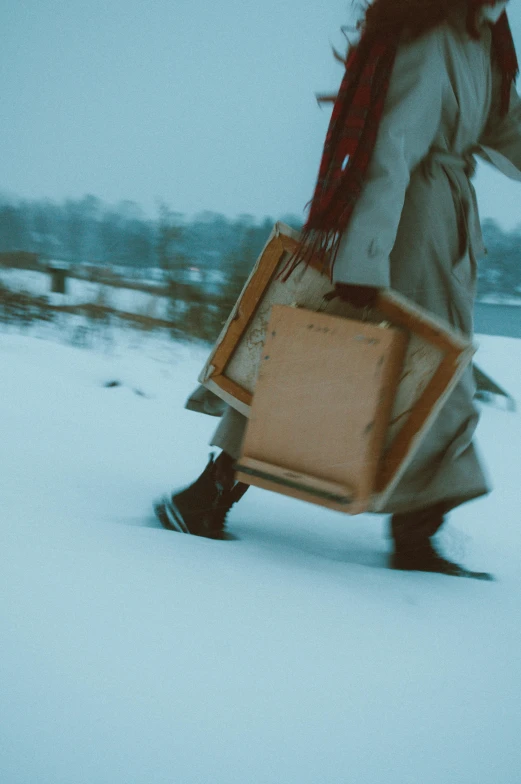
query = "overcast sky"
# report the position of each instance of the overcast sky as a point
(204, 104)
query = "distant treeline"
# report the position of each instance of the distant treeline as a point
(89, 231)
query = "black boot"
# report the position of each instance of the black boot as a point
(424, 559)
(201, 508)
(413, 548)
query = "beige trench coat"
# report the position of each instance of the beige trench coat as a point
(416, 228)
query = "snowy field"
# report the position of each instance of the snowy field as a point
(133, 655)
(80, 292)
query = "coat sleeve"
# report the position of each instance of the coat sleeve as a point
(501, 139)
(410, 122)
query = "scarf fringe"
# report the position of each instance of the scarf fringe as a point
(317, 246)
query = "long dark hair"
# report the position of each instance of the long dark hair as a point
(389, 20)
(413, 18)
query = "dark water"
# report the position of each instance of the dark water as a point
(504, 320)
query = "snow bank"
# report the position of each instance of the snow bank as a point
(292, 656)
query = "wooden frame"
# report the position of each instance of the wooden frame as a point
(218, 374)
(282, 241)
(436, 357)
(456, 353)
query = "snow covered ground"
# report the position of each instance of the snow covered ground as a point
(80, 292)
(132, 655)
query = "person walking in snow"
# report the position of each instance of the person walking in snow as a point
(429, 85)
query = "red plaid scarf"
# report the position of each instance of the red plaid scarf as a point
(351, 138)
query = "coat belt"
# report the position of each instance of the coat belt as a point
(459, 169)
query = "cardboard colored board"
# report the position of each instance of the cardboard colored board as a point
(436, 354)
(231, 369)
(321, 406)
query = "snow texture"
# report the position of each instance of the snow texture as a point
(291, 656)
(81, 292)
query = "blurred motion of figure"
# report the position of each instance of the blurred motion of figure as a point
(429, 85)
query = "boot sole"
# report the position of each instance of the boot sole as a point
(170, 517)
(170, 523)
(460, 572)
